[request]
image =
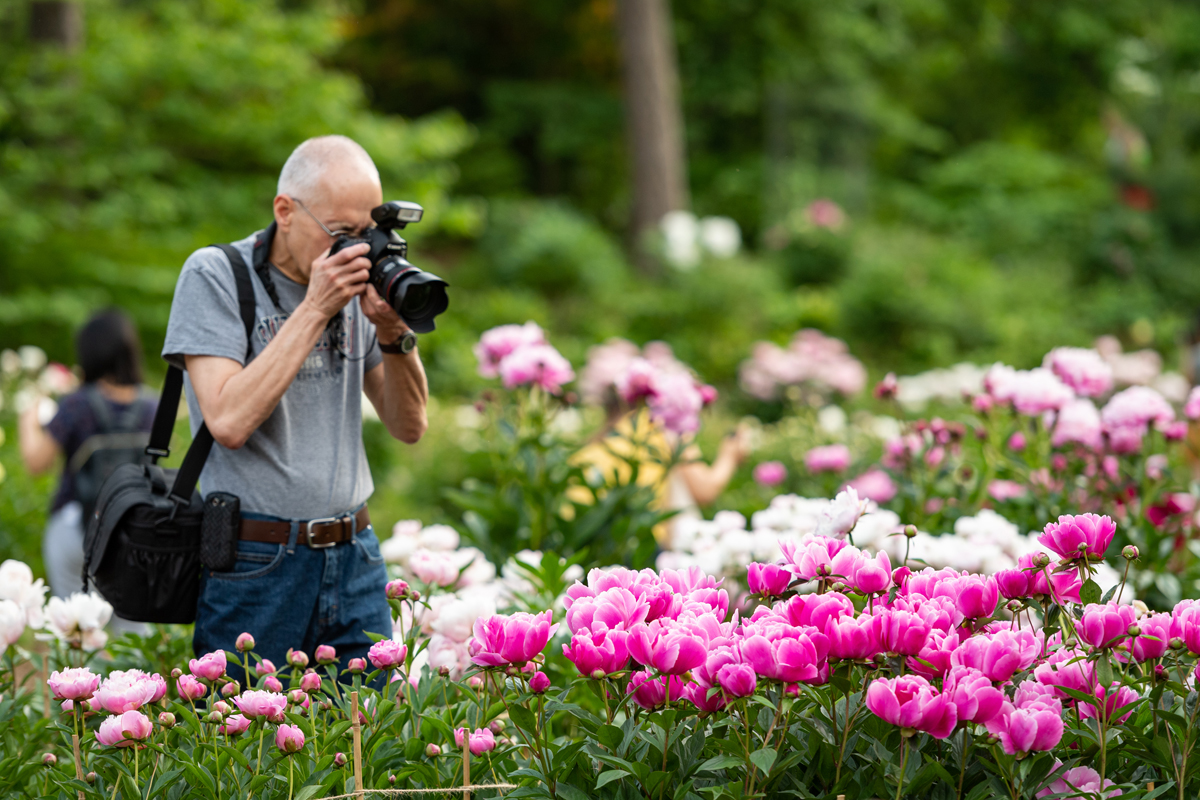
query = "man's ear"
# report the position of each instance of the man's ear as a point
(285, 210)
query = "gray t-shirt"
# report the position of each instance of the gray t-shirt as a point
(306, 460)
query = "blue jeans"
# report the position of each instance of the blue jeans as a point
(294, 596)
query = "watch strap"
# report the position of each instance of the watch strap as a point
(402, 346)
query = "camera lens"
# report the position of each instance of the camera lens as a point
(417, 296)
(415, 299)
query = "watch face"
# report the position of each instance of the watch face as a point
(408, 342)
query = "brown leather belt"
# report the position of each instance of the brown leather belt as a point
(325, 532)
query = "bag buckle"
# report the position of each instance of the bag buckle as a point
(308, 530)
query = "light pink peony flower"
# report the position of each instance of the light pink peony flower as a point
(235, 724)
(210, 666)
(829, 458)
(189, 688)
(1037, 391)
(264, 667)
(501, 341)
(1080, 782)
(273, 684)
(606, 365)
(1079, 422)
(1080, 535)
(538, 364)
(613, 608)
(770, 473)
(909, 701)
(513, 639)
(387, 654)
(1191, 408)
(479, 742)
(1002, 491)
(1084, 370)
(874, 484)
(435, 568)
(129, 690)
(289, 739)
(124, 729)
(257, 703)
(76, 683)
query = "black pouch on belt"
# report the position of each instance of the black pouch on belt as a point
(219, 531)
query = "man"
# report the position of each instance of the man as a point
(287, 421)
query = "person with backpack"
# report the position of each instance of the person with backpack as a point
(104, 424)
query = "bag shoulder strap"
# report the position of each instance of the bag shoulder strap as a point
(100, 408)
(168, 404)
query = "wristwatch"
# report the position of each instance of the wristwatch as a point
(402, 346)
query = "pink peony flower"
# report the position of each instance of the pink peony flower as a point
(770, 473)
(816, 609)
(479, 742)
(1105, 626)
(676, 402)
(1116, 704)
(613, 608)
(208, 667)
(998, 655)
(651, 693)
(813, 556)
(501, 341)
(910, 702)
(235, 724)
(436, 568)
(264, 667)
(784, 653)
(976, 596)
(874, 484)
(538, 364)
(189, 688)
(273, 684)
(825, 213)
(1191, 408)
(973, 694)
(1002, 491)
(310, 682)
(1024, 730)
(1066, 669)
(76, 683)
(1153, 640)
(1017, 442)
(515, 639)
(1080, 782)
(853, 637)
(737, 680)
(902, 632)
(872, 575)
(1014, 584)
(1079, 422)
(829, 458)
(1037, 391)
(1084, 370)
(605, 651)
(767, 580)
(128, 690)
(668, 650)
(289, 739)
(387, 654)
(257, 703)
(124, 729)
(1081, 535)
(1136, 408)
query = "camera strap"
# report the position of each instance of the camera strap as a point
(188, 474)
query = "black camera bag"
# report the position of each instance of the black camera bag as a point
(142, 546)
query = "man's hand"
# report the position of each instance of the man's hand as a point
(338, 278)
(389, 325)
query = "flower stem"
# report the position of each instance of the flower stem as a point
(903, 765)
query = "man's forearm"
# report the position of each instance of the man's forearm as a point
(405, 393)
(235, 402)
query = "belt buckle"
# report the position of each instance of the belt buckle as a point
(308, 531)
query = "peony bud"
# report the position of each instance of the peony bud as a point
(273, 684)
(231, 689)
(297, 658)
(339, 760)
(1134, 630)
(166, 719)
(357, 665)
(1130, 552)
(910, 531)
(297, 696)
(432, 750)
(397, 590)
(539, 683)
(415, 595)
(244, 642)
(222, 707)
(392, 780)
(175, 673)
(1041, 560)
(496, 726)
(444, 671)
(1176, 643)
(215, 717)
(326, 654)
(310, 682)
(1014, 606)
(49, 759)
(598, 674)
(475, 681)
(90, 777)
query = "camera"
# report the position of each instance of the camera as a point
(417, 296)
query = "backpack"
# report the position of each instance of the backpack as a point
(117, 441)
(142, 545)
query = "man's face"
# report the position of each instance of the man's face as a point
(342, 204)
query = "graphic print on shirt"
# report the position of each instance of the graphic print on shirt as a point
(324, 360)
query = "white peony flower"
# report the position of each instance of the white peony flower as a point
(79, 619)
(12, 623)
(840, 517)
(679, 229)
(720, 236)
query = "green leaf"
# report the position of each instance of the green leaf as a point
(308, 792)
(764, 759)
(1104, 670)
(569, 792)
(1090, 592)
(608, 777)
(611, 737)
(719, 762)
(523, 717)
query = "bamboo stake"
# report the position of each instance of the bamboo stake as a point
(356, 726)
(78, 760)
(46, 687)
(466, 766)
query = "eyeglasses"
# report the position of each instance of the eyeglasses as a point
(332, 234)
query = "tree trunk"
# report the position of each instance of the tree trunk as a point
(57, 22)
(653, 116)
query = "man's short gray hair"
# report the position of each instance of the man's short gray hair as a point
(303, 171)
